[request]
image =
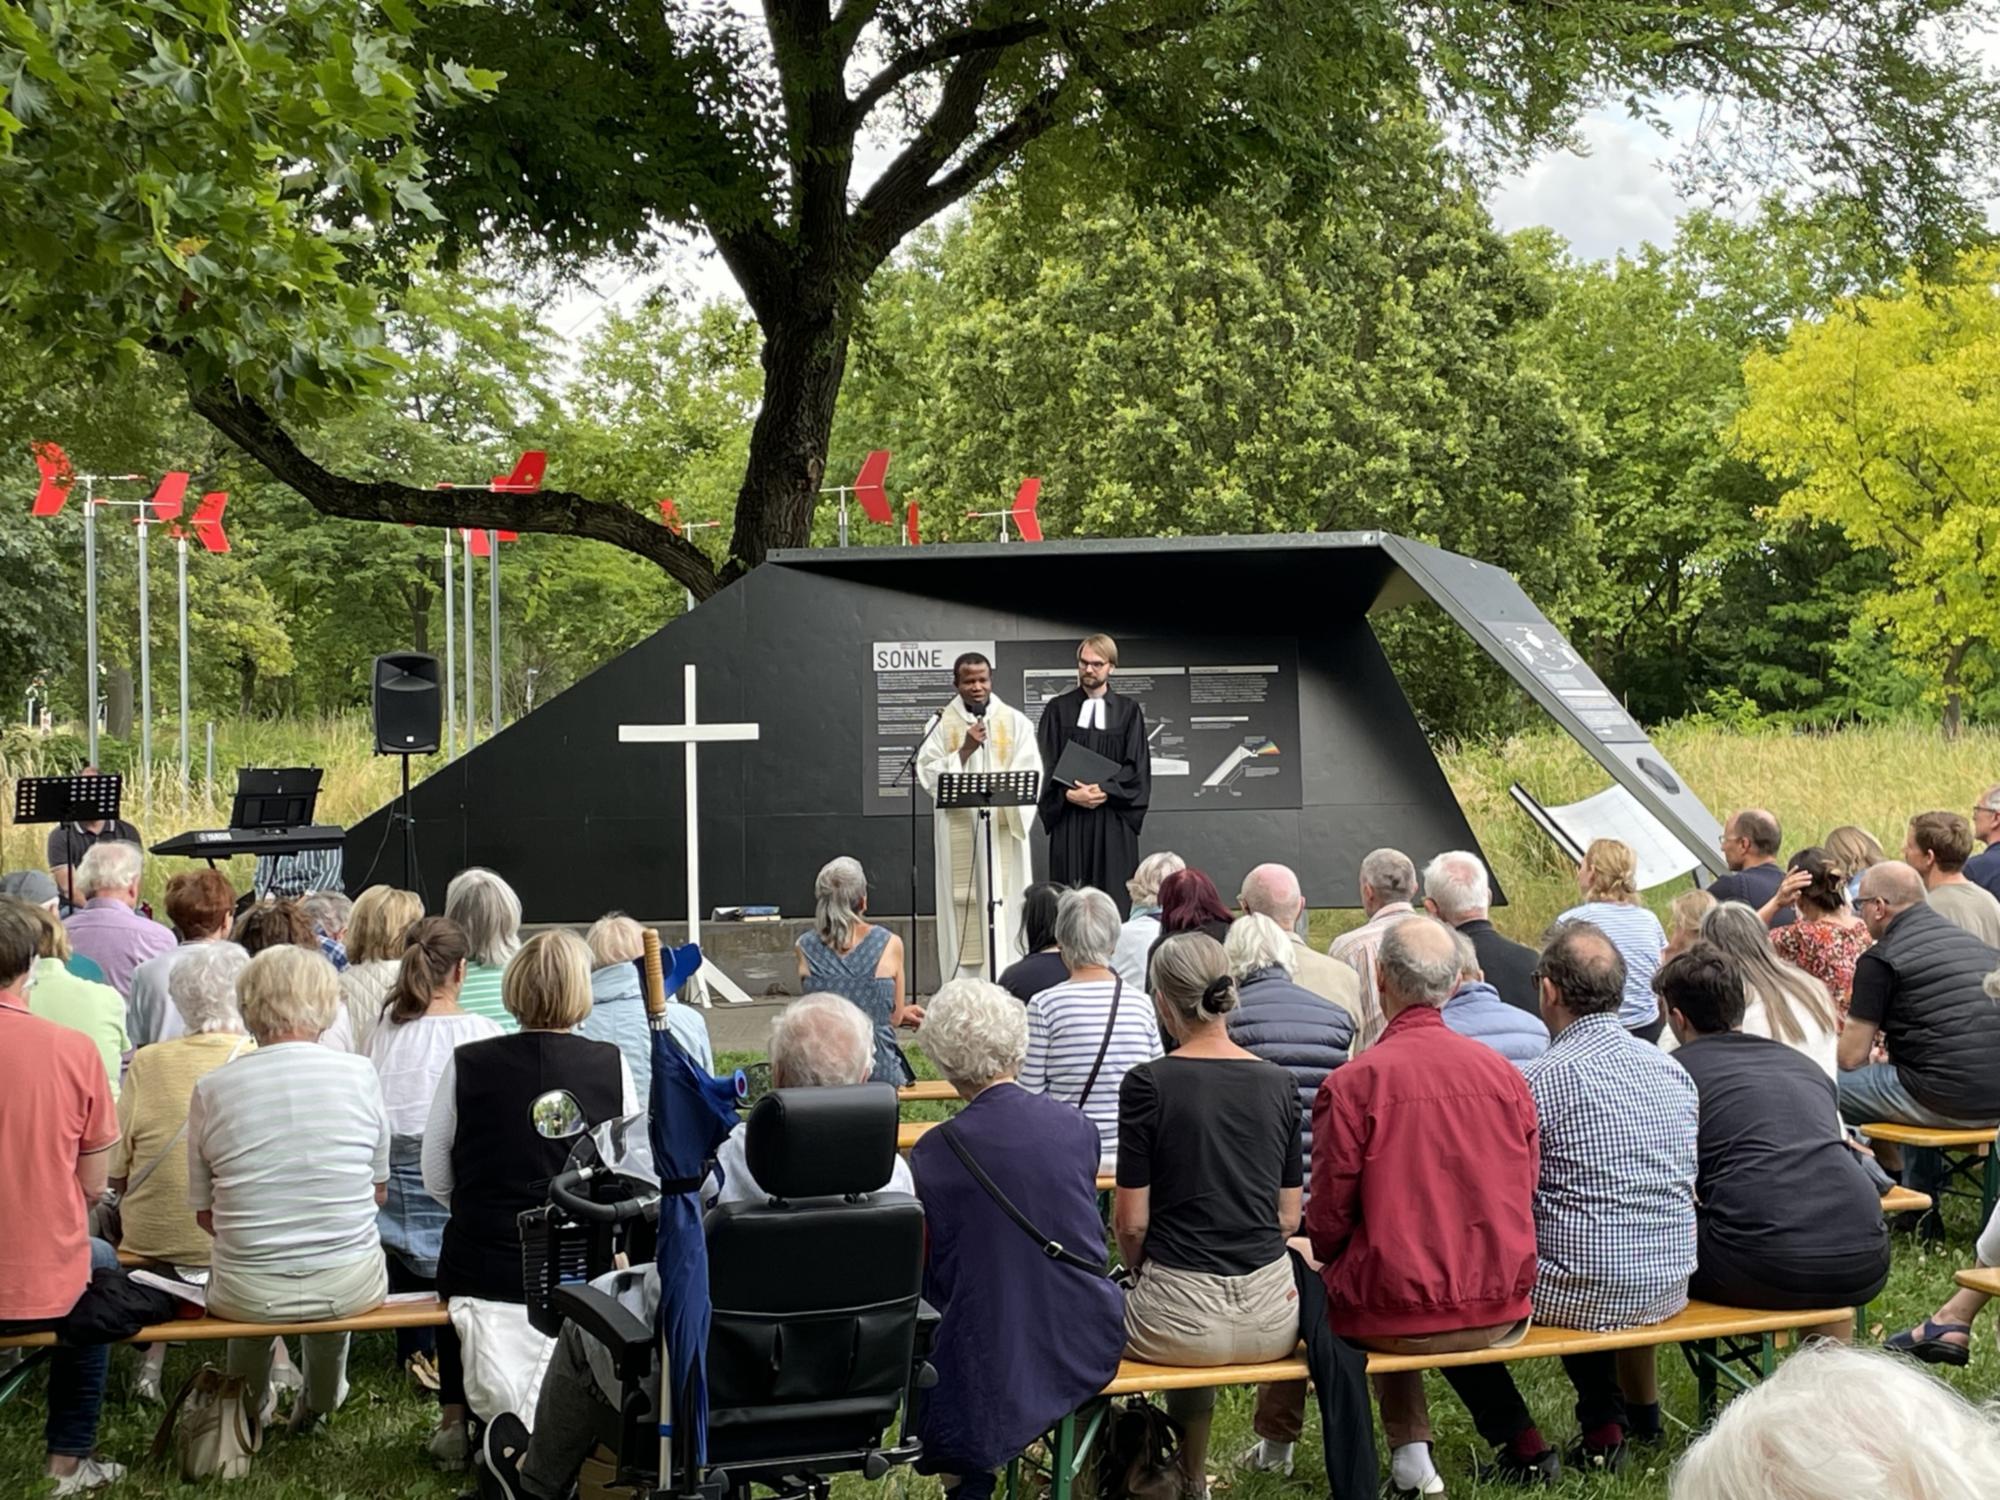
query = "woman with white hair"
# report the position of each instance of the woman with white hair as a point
(149, 1165)
(618, 1003)
(1836, 1422)
(1784, 1003)
(1087, 1032)
(288, 1160)
(849, 956)
(489, 914)
(1280, 1021)
(1142, 929)
(1001, 1383)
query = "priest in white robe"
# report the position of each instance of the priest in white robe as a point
(978, 733)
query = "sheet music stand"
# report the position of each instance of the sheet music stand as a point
(67, 799)
(981, 792)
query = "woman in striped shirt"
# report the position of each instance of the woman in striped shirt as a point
(1608, 879)
(1086, 1033)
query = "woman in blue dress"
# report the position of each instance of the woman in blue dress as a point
(848, 956)
(1003, 1380)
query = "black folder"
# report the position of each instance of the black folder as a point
(1079, 765)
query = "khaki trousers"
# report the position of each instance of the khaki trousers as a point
(1200, 1319)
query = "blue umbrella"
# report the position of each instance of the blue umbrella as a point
(692, 1115)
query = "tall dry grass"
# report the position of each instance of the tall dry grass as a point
(357, 782)
(1875, 777)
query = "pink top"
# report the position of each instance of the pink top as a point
(55, 1108)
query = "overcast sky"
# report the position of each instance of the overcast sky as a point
(1613, 196)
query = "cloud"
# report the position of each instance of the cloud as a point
(1612, 196)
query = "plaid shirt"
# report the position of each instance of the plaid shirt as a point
(1614, 1209)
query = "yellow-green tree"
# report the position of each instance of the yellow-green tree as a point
(1885, 417)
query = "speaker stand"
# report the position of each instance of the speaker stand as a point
(409, 831)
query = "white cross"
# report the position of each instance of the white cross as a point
(691, 734)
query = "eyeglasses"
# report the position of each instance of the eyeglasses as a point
(1877, 900)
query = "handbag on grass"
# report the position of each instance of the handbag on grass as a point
(210, 1427)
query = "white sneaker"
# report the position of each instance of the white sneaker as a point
(1258, 1458)
(450, 1448)
(91, 1474)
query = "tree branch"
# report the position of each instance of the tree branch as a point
(886, 220)
(940, 49)
(552, 512)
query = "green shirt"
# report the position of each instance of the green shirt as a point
(481, 995)
(78, 1004)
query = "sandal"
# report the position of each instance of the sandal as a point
(1926, 1342)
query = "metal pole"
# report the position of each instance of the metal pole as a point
(145, 656)
(182, 548)
(450, 658)
(471, 658)
(90, 611)
(211, 752)
(692, 815)
(493, 622)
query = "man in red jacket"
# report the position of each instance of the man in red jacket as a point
(1422, 1205)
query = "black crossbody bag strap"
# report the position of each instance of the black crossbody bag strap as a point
(1117, 989)
(1050, 1248)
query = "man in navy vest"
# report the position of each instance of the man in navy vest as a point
(1922, 989)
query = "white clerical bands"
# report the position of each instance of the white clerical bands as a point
(1092, 716)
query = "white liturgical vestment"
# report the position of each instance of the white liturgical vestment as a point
(959, 847)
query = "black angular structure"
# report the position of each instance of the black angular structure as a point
(1281, 732)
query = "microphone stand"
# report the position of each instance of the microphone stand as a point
(909, 768)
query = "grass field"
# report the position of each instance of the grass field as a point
(1874, 777)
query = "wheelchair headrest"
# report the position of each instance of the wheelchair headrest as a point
(823, 1142)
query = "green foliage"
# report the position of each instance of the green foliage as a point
(1692, 595)
(212, 181)
(1215, 369)
(1882, 415)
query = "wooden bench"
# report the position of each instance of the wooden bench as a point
(1970, 1160)
(1716, 1340)
(931, 1089)
(425, 1313)
(1981, 1279)
(1902, 1200)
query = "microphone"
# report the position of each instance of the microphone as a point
(978, 710)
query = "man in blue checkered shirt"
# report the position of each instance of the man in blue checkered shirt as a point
(1614, 1208)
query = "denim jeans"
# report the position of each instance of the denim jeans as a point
(1876, 1094)
(76, 1377)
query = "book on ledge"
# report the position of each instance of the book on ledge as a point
(745, 914)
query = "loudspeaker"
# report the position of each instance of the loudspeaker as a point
(408, 705)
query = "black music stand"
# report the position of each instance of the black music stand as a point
(982, 791)
(67, 799)
(275, 799)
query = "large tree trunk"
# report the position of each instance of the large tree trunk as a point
(118, 703)
(1954, 663)
(804, 358)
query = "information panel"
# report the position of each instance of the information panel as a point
(1222, 717)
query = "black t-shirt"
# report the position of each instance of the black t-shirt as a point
(69, 842)
(1215, 1138)
(1775, 1182)
(1027, 977)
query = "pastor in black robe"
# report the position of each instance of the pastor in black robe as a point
(1097, 846)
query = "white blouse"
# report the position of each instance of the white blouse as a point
(409, 1059)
